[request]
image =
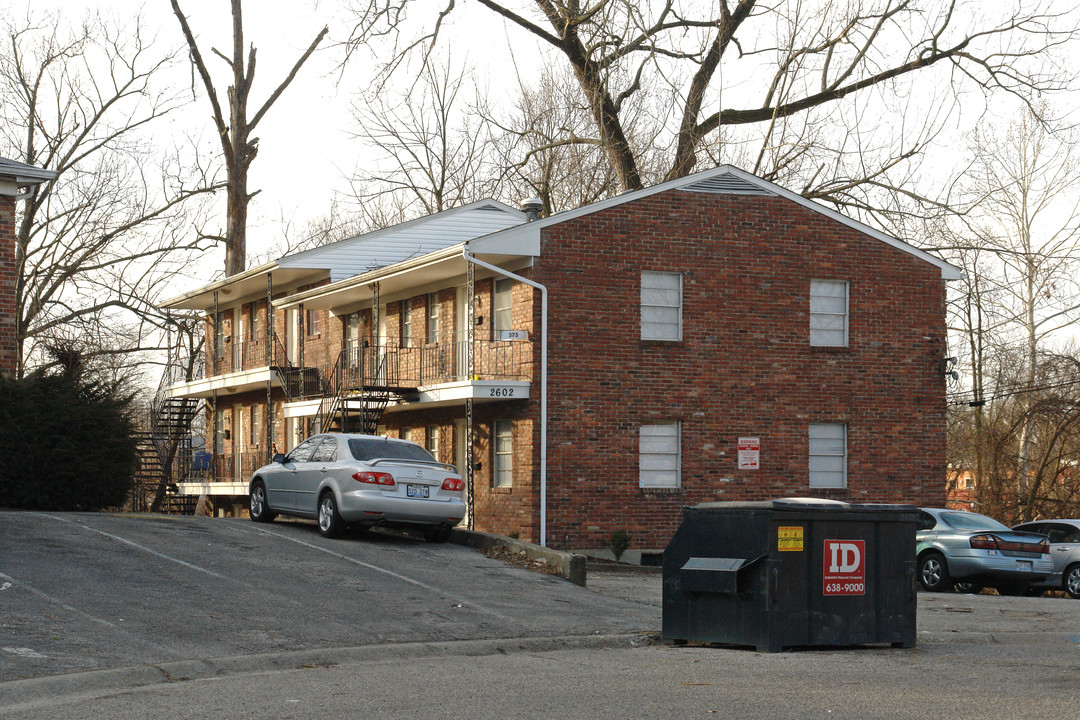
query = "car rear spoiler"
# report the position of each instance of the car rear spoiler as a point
(434, 463)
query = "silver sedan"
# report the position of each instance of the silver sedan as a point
(973, 551)
(1064, 538)
(339, 479)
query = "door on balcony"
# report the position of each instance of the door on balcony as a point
(237, 443)
(292, 317)
(237, 340)
(461, 333)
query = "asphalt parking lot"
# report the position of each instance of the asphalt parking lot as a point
(87, 591)
(147, 616)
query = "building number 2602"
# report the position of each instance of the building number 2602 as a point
(500, 392)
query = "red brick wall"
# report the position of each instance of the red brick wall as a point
(744, 367)
(8, 354)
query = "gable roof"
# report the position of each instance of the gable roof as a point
(408, 240)
(724, 179)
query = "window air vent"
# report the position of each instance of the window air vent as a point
(727, 184)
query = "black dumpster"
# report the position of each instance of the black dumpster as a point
(792, 573)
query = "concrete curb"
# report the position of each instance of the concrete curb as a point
(37, 692)
(571, 566)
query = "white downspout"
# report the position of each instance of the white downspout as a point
(543, 380)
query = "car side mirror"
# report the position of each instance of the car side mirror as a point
(279, 458)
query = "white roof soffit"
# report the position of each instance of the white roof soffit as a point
(525, 239)
(250, 283)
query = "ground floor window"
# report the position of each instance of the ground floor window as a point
(503, 460)
(828, 455)
(659, 457)
(433, 440)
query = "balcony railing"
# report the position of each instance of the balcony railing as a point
(245, 355)
(386, 364)
(397, 366)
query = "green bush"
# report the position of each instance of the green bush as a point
(619, 543)
(66, 443)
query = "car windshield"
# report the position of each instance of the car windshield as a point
(971, 521)
(371, 448)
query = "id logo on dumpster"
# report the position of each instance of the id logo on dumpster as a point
(844, 567)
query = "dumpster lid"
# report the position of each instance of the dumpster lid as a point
(801, 504)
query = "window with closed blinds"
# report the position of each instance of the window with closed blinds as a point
(828, 313)
(661, 306)
(659, 456)
(828, 455)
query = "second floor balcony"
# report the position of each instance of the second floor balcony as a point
(247, 365)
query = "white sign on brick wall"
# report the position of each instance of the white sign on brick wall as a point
(749, 453)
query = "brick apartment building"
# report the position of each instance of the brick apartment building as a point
(16, 179)
(714, 337)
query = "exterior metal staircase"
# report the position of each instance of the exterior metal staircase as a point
(364, 380)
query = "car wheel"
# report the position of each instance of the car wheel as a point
(967, 586)
(437, 533)
(1072, 581)
(257, 505)
(330, 522)
(934, 573)
(1012, 589)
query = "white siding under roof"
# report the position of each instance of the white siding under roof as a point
(399, 243)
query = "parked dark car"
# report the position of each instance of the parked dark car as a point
(363, 479)
(1064, 536)
(969, 551)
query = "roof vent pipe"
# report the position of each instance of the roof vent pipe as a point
(532, 208)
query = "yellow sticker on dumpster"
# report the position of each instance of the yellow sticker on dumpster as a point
(789, 539)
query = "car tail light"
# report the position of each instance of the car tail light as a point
(453, 484)
(374, 478)
(991, 542)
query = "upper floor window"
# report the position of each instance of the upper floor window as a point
(829, 313)
(314, 322)
(504, 306)
(661, 306)
(254, 323)
(406, 323)
(433, 318)
(219, 334)
(828, 455)
(659, 456)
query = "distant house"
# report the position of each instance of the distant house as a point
(715, 337)
(15, 180)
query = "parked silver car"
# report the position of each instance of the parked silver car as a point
(1064, 538)
(972, 551)
(340, 478)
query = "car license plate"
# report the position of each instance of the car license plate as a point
(1023, 565)
(421, 491)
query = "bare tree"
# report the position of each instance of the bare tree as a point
(93, 246)
(237, 144)
(430, 148)
(743, 64)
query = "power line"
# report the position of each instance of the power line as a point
(1012, 393)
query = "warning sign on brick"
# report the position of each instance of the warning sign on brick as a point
(749, 453)
(844, 567)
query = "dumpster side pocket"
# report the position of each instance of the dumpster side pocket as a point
(716, 575)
